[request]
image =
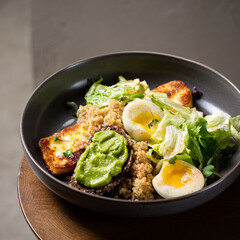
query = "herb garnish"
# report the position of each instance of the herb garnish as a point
(172, 160)
(68, 154)
(152, 123)
(209, 171)
(55, 137)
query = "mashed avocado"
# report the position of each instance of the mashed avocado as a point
(102, 160)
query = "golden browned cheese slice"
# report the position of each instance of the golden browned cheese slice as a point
(177, 91)
(52, 149)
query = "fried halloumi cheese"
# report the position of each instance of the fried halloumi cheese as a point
(177, 91)
(62, 150)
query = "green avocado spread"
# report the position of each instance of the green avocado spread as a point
(102, 160)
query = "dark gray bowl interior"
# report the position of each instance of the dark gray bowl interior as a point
(45, 113)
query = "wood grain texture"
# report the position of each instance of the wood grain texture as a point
(51, 217)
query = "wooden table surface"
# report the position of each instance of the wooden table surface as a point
(51, 217)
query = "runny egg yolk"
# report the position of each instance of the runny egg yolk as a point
(147, 120)
(177, 174)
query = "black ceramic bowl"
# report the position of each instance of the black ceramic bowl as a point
(45, 113)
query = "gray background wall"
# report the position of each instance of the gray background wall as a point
(39, 37)
(205, 31)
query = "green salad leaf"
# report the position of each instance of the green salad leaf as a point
(224, 126)
(202, 143)
(124, 91)
(235, 127)
(218, 120)
(153, 156)
(184, 157)
(164, 103)
(172, 144)
(209, 170)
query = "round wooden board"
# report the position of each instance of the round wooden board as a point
(51, 217)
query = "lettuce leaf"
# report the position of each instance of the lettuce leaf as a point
(173, 143)
(218, 120)
(184, 157)
(235, 127)
(203, 144)
(169, 119)
(224, 126)
(164, 103)
(125, 91)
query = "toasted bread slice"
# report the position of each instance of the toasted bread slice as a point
(177, 91)
(54, 148)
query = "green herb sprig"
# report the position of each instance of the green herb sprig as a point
(68, 154)
(209, 170)
(172, 160)
(55, 137)
(152, 123)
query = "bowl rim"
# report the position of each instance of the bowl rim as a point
(104, 198)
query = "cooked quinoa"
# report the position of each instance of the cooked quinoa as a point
(139, 185)
(94, 117)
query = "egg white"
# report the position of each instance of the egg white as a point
(134, 109)
(195, 183)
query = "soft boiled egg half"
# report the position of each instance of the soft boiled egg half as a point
(177, 179)
(141, 118)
